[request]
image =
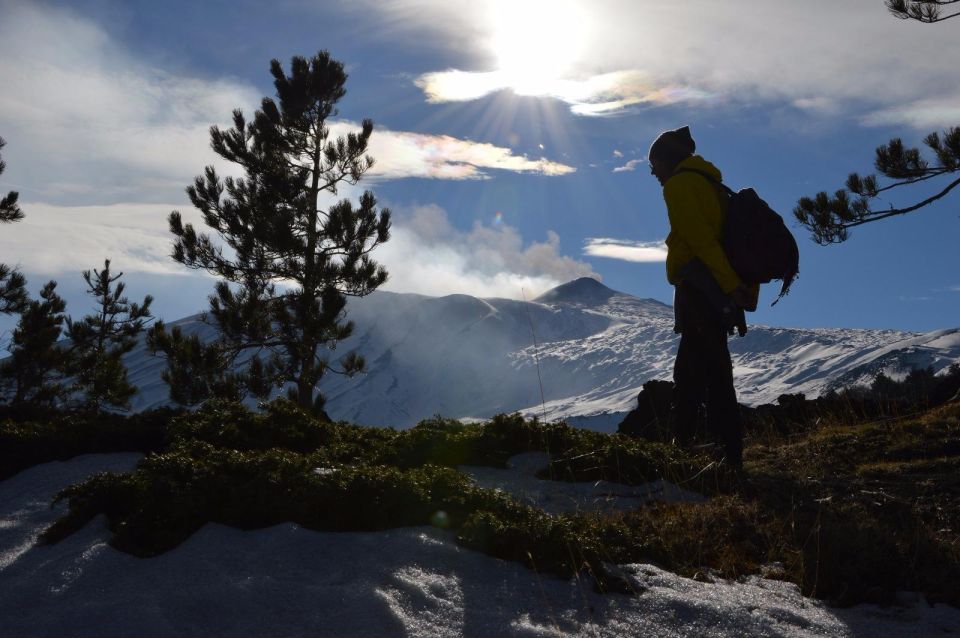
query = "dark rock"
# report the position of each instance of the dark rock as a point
(651, 418)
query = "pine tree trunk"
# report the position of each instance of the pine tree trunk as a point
(305, 387)
(305, 394)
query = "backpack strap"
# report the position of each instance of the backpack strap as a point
(713, 180)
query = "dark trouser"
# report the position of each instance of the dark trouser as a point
(703, 376)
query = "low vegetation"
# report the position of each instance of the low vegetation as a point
(47, 436)
(850, 513)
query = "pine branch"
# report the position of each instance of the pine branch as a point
(13, 291)
(829, 218)
(927, 11)
(906, 182)
(9, 210)
(871, 216)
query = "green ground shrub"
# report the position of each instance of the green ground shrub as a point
(61, 436)
(849, 513)
(173, 493)
(228, 424)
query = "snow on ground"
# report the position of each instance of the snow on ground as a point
(415, 582)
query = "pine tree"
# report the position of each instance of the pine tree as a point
(196, 370)
(829, 218)
(13, 292)
(100, 340)
(34, 370)
(286, 263)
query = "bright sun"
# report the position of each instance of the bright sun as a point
(536, 42)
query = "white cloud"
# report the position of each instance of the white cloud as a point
(617, 153)
(625, 250)
(930, 113)
(425, 254)
(484, 261)
(87, 122)
(401, 154)
(101, 145)
(54, 239)
(631, 165)
(819, 104)
(821, 55)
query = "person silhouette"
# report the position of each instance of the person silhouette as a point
(709, 296)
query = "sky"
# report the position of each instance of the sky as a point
(510, 136)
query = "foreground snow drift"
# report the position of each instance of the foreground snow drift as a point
(288, 581)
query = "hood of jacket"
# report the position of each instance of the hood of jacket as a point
(698, 163)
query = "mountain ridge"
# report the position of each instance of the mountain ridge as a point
(591, 347)
(582, 290)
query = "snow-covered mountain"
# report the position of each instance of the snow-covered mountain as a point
(461, 356)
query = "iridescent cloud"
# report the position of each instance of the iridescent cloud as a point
(402, 154)
(605, 94)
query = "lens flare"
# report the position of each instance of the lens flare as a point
(536, 42)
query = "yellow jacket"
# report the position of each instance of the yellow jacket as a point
(696, 222)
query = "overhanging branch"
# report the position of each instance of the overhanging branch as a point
(871, 216)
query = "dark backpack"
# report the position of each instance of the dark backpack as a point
(757, 242)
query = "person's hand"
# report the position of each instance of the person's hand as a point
(742, 296)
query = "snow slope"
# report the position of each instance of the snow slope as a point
(413, 582)
(460, 356)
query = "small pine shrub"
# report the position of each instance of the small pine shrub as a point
(61, 436)
(232, 425)
(172, 494)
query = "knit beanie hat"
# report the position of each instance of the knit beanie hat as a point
(672, 147)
